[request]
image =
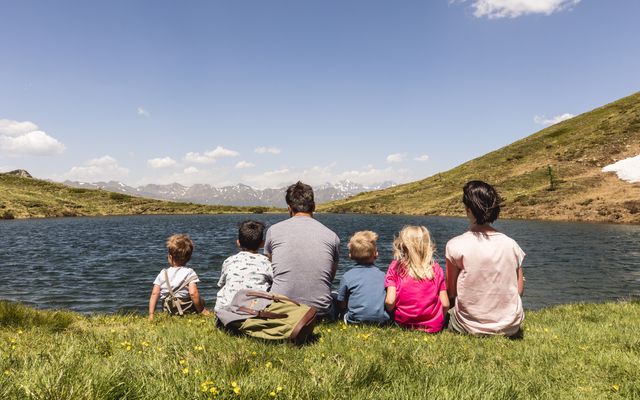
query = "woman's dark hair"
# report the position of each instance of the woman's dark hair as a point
(300, 198)
(483, 201)
(251, 234)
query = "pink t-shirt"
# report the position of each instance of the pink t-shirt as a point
(418, 303)
(488, 301)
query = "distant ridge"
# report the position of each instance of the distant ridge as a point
(236, 195)
(20, 172)
(22, 196)
(554, 174)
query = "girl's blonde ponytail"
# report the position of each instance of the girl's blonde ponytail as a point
(414, 249)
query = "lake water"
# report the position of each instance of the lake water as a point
(108, 264)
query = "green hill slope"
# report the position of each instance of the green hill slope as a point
(22, 197)
(553, 174)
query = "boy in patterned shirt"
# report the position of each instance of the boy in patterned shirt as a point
(248, 269)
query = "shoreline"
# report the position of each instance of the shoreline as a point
(273, 212)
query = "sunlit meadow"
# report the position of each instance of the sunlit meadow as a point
(573, 351)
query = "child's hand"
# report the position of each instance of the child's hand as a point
(205, 312)
(150, 317)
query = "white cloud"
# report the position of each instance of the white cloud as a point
(210, 156)
(318, 175)
(191, 170)
(422, 158)
(25, 138)
(244, 164)
(371, 175)
(143, 112)
(627, 169)
(396, 157)
(493, 9)
(199, 158)
(265, 150)
(542, 120)
(221, 152)
(161, 162)
(104, 168)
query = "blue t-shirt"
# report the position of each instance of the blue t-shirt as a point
(363, 287)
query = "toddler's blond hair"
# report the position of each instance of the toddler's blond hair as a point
(414, 249)
(180, 248)
(362, 246)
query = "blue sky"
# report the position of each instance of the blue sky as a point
(269, 92)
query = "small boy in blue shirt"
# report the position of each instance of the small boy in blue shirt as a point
(361, 293)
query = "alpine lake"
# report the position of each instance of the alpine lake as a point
(108, 264)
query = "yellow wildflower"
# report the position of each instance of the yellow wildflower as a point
(185, 371)
(279, 389)
(234, 384)
(236, 391)
(268, 364)
(272, 394)
(615, 387)
(182, 362)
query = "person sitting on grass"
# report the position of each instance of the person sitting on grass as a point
(246, 269)
(484, 270)
(304, 253)
(361, 292)
(177, 281)
(416, 290)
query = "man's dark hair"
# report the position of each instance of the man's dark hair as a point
(251, 234)
(300, 198)
(483, 201)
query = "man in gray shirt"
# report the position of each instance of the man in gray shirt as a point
(304, 253)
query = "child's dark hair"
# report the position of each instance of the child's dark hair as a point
(300, 198)
(483, 201)
(251, 234)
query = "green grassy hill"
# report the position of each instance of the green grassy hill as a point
(22, 197)
(554, 174)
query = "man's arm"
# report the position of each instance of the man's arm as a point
(153, 300)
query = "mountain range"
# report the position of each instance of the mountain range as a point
(236, 195)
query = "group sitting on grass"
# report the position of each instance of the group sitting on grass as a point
(481, 294)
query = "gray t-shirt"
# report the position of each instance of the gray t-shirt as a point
(303, 255)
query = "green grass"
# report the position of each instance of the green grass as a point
(33, 198)
(575, 150)
(582, 351)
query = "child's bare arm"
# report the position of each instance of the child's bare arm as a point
(390, 299)
(153, 300)
(444, 299)
(195, 297)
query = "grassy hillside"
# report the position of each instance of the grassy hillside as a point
(553, 174)
(30, 198)
(580, 351)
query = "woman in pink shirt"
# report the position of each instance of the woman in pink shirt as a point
(484, 270)
(416, 292)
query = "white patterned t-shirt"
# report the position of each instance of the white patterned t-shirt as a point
(244, 270)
